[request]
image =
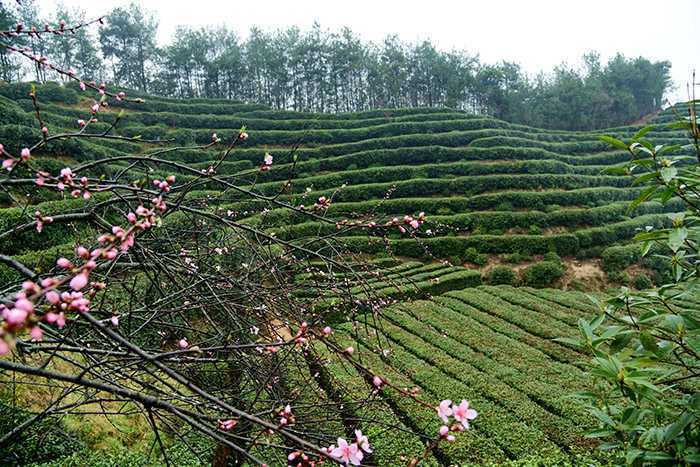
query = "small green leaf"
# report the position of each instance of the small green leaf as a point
(614, 142)
(644, 196)
(643, 131)
(648, 342)
(668, 174)
(676, 238)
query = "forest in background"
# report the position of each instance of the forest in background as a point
(326, 71)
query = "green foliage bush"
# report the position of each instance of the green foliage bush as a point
(642, 282)
(50, 91)
(501, 275)
(517, 257)
(542, 274)
(43, 441)
(619, 257)
(471, 255)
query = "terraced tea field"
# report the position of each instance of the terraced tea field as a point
(495, 344)
(485, 184)
(493, 192)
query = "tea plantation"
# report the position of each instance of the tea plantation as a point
(507, 205)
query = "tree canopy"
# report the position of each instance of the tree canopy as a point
(336, 71)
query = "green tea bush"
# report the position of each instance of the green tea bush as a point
(619, 257)
(517, 257)
(501, 275)
(46, 440)
(471, 255)
(542, 274)
(642, 282)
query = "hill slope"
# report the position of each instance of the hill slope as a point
(486, 185)
(493, 192)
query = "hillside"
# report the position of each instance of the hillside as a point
(496, 195)
(488, 187)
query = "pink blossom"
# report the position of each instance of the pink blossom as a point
(25, 154)
(82, 86)
(4, 348)
(415, 224)
(82, 252)
(59, 319)
(444, 410)
(349, 350)
(8, 164)
(445, 433)
(114, 320)
(183, 344)
(24, 304)
(45, 130)
(463, 413)
(243, 136)
(52, 297)
(95, 108)
(64, 263)
(348, 453)
(36, 333)
(39, 181)
(362, 441)
(327, 331)
(378, 382)
(79, 281)
(81, 122)
(267, 159)
(226, 425)
(15, 316)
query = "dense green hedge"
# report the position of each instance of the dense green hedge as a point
(542, 274)
(485, 222)
(501, 275)
(429, 171)
(310, 163)
(563, 244)
(49, 91)
(538, 201)
(44, 441)
(462, 186)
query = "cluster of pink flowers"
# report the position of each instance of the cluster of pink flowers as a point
(267, 162)
(9, 162)
(227, 425)
(286, 416)
(413, 222)
(350, 453)
(41, 220)
(164, 184)
(300, 337)
(461, 413)
(45, 302)
(81, 189)
(322, 204)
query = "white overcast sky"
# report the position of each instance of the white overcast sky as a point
(538, 34)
